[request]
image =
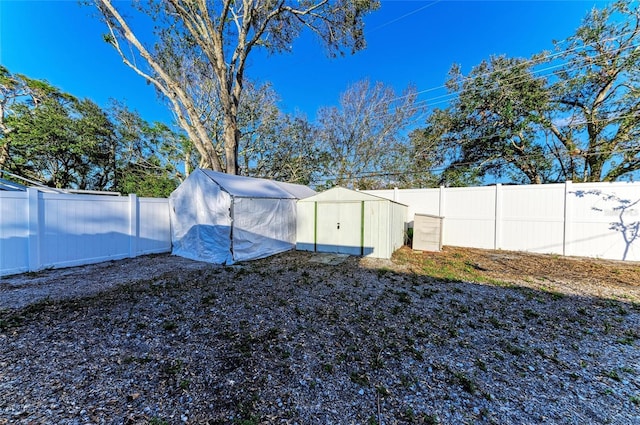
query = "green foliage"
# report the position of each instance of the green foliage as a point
(490, 128)
(509, 120)
(597, 92)
(62, 141)
(69, 143)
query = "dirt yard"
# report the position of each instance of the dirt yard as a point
(587, 276)
(461, 336)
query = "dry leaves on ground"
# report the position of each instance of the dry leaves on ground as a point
(289, 340)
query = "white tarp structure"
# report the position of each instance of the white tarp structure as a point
(350, 222)
(222, 218)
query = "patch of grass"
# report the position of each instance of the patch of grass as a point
(382, 390)
(628, 338)
(169, 325)
(467, 383)
(428, 293)
(480, 364)
(407, 380)
(621, 310)
(327, 367)
(514, 349)
(173, 367)
(431, 419)
(454, 268)
(359, 378)
(625, 340)
(613, 374)
(554, 294)
(377, 362)
(495, 322)
(415, 353)
(383, 271)
(404, 298)
(138, 360)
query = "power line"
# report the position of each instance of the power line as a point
(509, 83)
(544, 58)
(549, 155)
(393, 21)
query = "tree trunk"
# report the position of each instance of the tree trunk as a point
(4, 154)
(4, 146)
(231, 142)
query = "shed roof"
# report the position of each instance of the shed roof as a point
(339, 193)
(251, 187)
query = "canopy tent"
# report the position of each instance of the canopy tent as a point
(222, 218)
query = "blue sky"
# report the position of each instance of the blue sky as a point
(409, 42)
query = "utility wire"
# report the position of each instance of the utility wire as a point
(544, 58)
(393, 21)
(549, 155)
(425, 103)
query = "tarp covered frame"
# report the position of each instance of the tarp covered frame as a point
(222, 218)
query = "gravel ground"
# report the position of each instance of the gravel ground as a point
(165, 340)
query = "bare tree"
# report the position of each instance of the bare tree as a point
(361, 137)
(218, 36)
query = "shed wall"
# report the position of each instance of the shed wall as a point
(305, 226)
(378, 236)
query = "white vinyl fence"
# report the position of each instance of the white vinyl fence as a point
(576, 219)
(45, 230)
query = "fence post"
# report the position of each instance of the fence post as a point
(497, 236)
(34, 226)
(566, 231)
(134, 218)
(441, 206)
(396, 195)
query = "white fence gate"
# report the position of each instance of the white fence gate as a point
(578, 219)
(41, 230)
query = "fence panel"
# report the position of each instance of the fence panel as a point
(582, 219)
(154, 227)
(40, 230)
(604, 220)
(82, 229)
(422, 201)
(531, 218)
(470, 216)
(14, 232)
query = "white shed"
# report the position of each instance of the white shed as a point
(350, 222)
(222, 218)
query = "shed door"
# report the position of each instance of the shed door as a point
(339, 227)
